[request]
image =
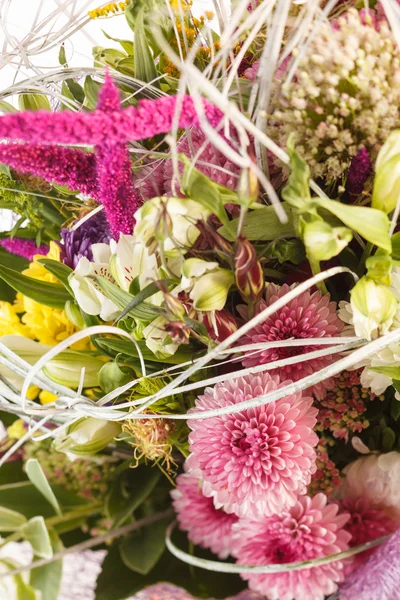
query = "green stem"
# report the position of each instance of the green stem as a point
(364, 256)
(316, 268)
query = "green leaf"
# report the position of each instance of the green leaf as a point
(47, 579)
(396, 246)
(144, 312)
(145, 69)
(126, 44)
(112, 376)
(23, 497)
(33, 102)
(129, 492)
(129, 349)
(91, 89)
(141, 296)
(142, 549)
(35, 532)
(297, 191)
(372, 224)
(49, 294)
(39, 480)
(59, 270)
(395, 404)
(62, 57)
(10, 520)
(262, 225)
(388, 439)
(76, 90)
(203, 190)
(7, 108)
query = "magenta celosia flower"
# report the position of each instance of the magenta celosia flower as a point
(258, 460)
(309, 529)
(210, 161)
(359, 171)
(206, 525)
(114, 170)
(150, 118)
(378, 578)
(64, 166)
(366, 523)
(25, 248)
(307, 316)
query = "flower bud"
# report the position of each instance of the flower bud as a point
(207, 283)
(323, 242)
(87, 436)
(379, 267)
(374, 308)
(387, 179)
(65, 369)
(74, 314)
(248, 271)
(158, 339)
(220, 324)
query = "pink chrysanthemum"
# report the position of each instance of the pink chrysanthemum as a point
(206, 525)
(256, 461)
(310, 529)
(307, 316)
(211, 162)
(366, 523)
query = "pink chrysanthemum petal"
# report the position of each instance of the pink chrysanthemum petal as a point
(308, 530)
(256, 461)
(207, 526)
(308, 315)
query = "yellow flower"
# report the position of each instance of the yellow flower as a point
(48, 325)
(16, 430)
(114, 8)
(10, 322)
(46, 397)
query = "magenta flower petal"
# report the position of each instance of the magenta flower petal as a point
(64, 166)
(25, 248)
(256, 461)
(309, 529)
(308, 315)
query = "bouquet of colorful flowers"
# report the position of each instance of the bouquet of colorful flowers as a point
(200, 305)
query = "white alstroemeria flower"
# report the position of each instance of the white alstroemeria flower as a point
(207, 283)
(171, 222)
(86, 292)
(158, 340)
(374, 308)
(388, 357)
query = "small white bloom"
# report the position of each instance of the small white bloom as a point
(207, 283)
(374, 308)
(158, 340)
(87, 436)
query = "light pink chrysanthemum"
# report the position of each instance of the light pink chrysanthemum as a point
(256, 461)
(309, 315)
(206, 525)
(310, 529)
(211, 162)
(366, 523)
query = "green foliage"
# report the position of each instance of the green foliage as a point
(35, 532)
(122, 299)
(39, 480)
(33, 102)
(10, 520)
(47, 579)
(141, 550)
(112, 376)
(59, 270)
(262, 225)
(49, 294)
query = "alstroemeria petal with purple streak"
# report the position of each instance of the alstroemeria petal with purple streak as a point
(25, 248)
(64, 166)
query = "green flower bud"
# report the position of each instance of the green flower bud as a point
(87, 436)
(387, 180)
(74, 314)
(65, 369)
(374, 308)
(323, 242)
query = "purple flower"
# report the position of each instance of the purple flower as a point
(359, 171)
(78, 243)
(378, 578)
(25, 248)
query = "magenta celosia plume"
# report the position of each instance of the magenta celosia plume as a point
(307, 316)
(114, 171)
(109, 128)
(256, 461)
(206, 525)
(25, 248)
(309, 529)
(64, 166)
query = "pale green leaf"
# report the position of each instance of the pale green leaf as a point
(10, 520)
(145, 69)
(142, 549)
(39, 480)
(47, 579)
(35, 532)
